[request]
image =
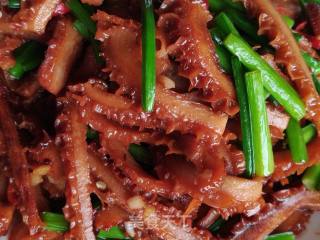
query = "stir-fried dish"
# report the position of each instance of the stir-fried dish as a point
(164, 119)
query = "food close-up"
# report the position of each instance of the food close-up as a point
(159, 119)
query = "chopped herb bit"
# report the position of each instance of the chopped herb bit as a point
(282, 236)
(28, 57)
(112, 233)
(55, 222)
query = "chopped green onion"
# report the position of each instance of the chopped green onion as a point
(309, 132)
(296, 142)
(112, 233)
(278, 87)
(216, 35)
(242, 23)
(83, 15)
(92, 134)
(141, 154)
(217, 225)
(15, 4)
(289, 21)
(86, 26)
(312, 63)
(148, 56)
(82, 29)
(225, 25)
(28, 57)
(55, 222)
(224, 58)
(261, 140)
(219, 5)
(297, 36)
(316, 82)
(266, 94)
(311, 177)
(281, 236)
(246, 128)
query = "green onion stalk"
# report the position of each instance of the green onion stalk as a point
(55, 222)
(28, 56)
(112, 233)
(245, 121)
(278, 87)
(261, 140)
(296, 142)
(14, 4)
(148, 56)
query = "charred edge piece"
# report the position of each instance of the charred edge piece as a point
(62, 51)
(19, 165)
(78, 209)
(287, 54)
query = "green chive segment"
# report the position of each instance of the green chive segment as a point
(141, 155)
(225, 25)
(262, 147)
(92, 134)
(216, 226)
(281, 236)
(311, 178)
(223, 54)
(245, 25)
(28, 57)
(148, 56)
(86, 26)
(82, 29)
(278, 87)
(219, 5)
(309, 132)
(14, 4)
(296, 142)
(312, 63)
(246, 127)
(112, 233)
(55, 222)
(289, 21)
(83, 15)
